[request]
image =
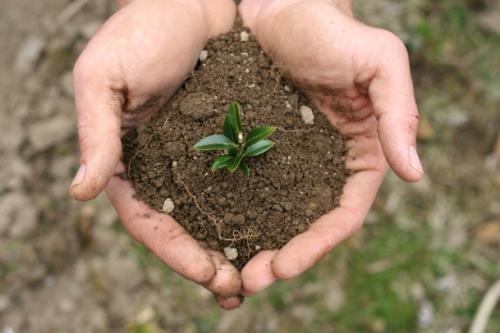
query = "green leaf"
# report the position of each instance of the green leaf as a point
(259, 133)
(234, 109)
(233, 152)
(235, 162)
(221, 162)
(230, 127)
(214, 142)
(244, 168)
(258, 148)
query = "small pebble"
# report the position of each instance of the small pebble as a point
(288, 206)
(168, 206)
(231, 253)
(307, 115)
(203, 55)
(277, 208)
(174, 164)
(258, 248)
(244, 36)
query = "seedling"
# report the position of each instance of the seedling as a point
(236, 149)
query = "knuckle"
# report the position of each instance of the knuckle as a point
(287, 272)
(201, 273)
(176, 234)
(392, 42)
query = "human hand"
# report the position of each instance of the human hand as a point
(134, 63)
(359, 78)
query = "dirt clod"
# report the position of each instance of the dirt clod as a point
(197, 105)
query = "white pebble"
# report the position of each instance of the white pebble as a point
(203, 55)
(244, 36)
(168, 206)
(231, 253)
(307, 115)
(174, 164)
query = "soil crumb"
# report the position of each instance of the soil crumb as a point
(289, 187)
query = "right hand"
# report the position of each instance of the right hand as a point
(359, 77)
(128, 70)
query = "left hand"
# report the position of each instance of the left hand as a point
(128, 70)
(359, 78)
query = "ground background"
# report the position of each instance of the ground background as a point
(424, 259)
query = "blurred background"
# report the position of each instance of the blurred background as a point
(424, 260)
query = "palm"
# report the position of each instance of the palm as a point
(337, 61)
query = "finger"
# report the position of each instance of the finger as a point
(257, 274)
(161, 234)
(98, 108)
(391, 92)
(229, 303)
(220, 16)
(249, 11)
(304, 250)
(227, 281)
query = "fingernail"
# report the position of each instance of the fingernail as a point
(415, 160)
(80, 175)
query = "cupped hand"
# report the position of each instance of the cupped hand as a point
(133, 64)
(359, 78)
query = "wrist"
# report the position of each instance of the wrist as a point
(218, 15)
(252, 10)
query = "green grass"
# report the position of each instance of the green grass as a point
(371, 295)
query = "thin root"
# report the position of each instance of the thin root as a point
(237, 236)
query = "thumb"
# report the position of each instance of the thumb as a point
(98, 108)
(392, 96)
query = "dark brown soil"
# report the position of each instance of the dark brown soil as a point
(290, 186)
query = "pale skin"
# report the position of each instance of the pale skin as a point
(357, 75)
